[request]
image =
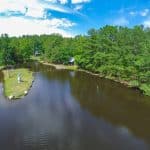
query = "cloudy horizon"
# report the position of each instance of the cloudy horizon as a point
(69, 17)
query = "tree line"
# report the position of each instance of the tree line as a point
(115, 52)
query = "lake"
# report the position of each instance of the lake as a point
(68, 110)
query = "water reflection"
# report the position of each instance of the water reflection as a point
(73, 111)
(114, 103)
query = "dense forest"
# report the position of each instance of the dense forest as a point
(117, 53)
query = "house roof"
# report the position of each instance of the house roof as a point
(71, 60)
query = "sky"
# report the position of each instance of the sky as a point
(69, 17)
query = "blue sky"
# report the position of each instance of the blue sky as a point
(69, 17)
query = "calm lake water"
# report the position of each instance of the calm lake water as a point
(67, 110)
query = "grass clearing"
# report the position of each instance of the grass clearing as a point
(73, 67)
(11, 85)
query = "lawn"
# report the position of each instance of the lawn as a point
(11, 86)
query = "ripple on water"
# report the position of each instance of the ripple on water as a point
(39, 141)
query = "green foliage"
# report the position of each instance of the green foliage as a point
(116, 52)
(146, 89)
(134, 83)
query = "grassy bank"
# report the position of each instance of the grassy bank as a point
(59, 66)
(12, 88)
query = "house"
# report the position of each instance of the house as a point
(71, 61)
(37, 53)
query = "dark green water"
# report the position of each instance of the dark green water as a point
(68, 110)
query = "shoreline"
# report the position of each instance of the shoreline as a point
(75, 68)
(60, 66)
(123, 82)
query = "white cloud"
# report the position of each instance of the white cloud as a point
(15, 26)
(146, 23)
(58, 1)
(52, 1)
(8, 5)
(121, 21)
(57, 23)
(79, 1)
(144, 12)
(58, 8)
(35, 12)
(78, 7)
(35, 8)
(33, 19)
(133, 13)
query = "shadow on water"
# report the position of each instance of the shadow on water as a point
(67, 110)
(113, 102)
